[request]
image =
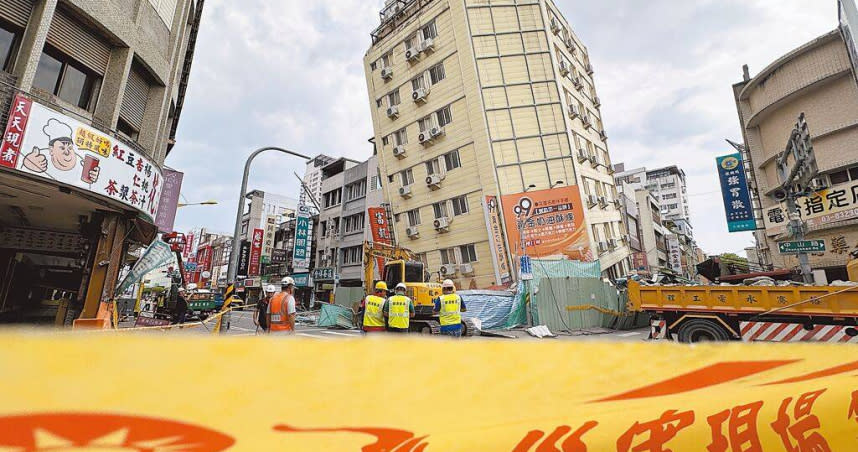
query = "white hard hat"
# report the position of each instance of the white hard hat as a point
(448, 283)
(401, 286)
(287, 281)
(192, 286)
(270, 288)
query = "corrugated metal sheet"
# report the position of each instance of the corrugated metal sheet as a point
(16, 11)
(76, 40)
(553, 295)
(135, 97)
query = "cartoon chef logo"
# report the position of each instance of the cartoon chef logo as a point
(62, 154)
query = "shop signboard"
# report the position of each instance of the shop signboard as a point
(674, 254)
(44, 143)
(639, 260)
(324, 274)
(734, 191)
(380, 229)
(491, 211)
(551, 221)
(303, 242)
(255, 252)
(832, 205)
(243, 258)
(302, 279)
(278, 256)
(802, 246)
(158, 254)
(169, 202)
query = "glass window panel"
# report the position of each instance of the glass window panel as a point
(47, 73)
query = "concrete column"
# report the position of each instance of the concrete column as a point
(33, 42)
(113, 86)
(152, 119)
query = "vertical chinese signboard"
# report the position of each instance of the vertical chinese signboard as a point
(169, 200)
(46, 144)
(491, 210)
(551, 221)
(734, 190)
(674, 254)
(243, 258)
(380, 229)
(255, 252)
(303, 240)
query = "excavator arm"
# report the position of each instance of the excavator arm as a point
(374, 250)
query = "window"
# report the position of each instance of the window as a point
(433, 167)
(410, 41)
(429, 31)
(123, 127)
(452, 161)
(418, 83)
(460, 205)
(385, 59)
(436, 73)
(356, 190)
(469, 253)
(440, 209)
(668, 185)
(839, 177)
(669, 196)
(379, 102)
(413, 217)
(393, 98)
(444, 116)
(8, 41)
(354, 223)
(352, 255)
(448, 256)
(374, 183)
(65, 78)
(853, 173)
(384, 141)
(407, 177)
(372, 66)
(424, 123)
(323, 228)
(333, 198)
(400, 137)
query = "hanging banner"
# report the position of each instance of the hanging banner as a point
(303, 243)
(156, 255)
(491, 211)
(255, 252)
(47, 144)
(639, 260)
(710, 397)
(552, 222)
(169, 202)
(243, 259)
(674, 252)
(734, 190)
(380, 228)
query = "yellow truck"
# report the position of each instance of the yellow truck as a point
(748, 313)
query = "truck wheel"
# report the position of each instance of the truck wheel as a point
(702, 330)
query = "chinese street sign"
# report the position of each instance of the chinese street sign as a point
(491, 210)
(734, 190)
(303, 240)
(802, 246)
(525, 268)
(838, 203)
(255, 252)
(301, 279)
(324, 274)
(674, 254)
(380, 230)
(42, 142)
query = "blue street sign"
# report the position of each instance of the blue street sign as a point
(734, 190)
(525, 268)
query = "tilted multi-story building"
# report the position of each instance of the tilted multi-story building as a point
(472, 100)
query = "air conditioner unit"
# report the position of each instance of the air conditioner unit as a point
(441, 224)
(419, 95)
(405, 191)
(412, 231)
(603, 247)
(412, 54)
(585, 119)
(603, 135)
(399, 151)
(594, 162)
(392, 111)
(617, 202)
(467, 269)
(448, 269)
(564, 68)
(573, 111)
(818, 184)
(592, 200)
(582, 155)
(570, 44)
(603, 202)
(387, 73)
(576, 81)
(433, 181)
(436, 131)
(555, 26)
(427, 44)
(597, 102)
(589, 68)
(424, 137)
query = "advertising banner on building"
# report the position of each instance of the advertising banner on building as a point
(734, 190)
(838, 203)
(278, 256)
(303, 243)
(380, 229)
(491, 211)
(674, 252)
(255, 252)
(639, 260)
(551, 222)
(158, 254)
(243, 258)
(41, 142)
(169, 202)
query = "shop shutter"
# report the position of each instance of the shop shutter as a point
(136, 94)
(76, 40)
(16, 11)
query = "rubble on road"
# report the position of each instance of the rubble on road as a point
(540, 331)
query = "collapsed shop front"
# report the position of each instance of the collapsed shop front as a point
(76, 203)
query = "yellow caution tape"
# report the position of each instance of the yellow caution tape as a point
(587, 307)
(94, 392)
(209, 319)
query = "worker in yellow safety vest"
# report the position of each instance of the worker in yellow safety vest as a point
(373, 309)
(449, 307)
(399, 309)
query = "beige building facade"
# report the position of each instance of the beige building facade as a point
(815, 79)
(471, 99)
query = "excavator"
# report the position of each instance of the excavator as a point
(401, 265)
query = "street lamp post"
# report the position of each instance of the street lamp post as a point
(204, 203)
(236, 239)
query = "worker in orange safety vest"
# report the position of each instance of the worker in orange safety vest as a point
(281, 309)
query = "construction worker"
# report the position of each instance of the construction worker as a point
(398, 310)
(449, 307)
(281, 309)
(261, 318)
(373, 309)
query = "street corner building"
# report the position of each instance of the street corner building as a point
(490, 139)
(90, 96)
(815, 79)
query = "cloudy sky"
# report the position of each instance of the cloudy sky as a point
(289, 73)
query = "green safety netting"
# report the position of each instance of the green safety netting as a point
(335, 315)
